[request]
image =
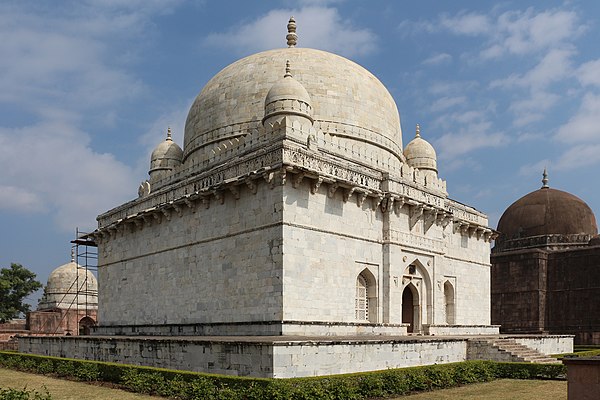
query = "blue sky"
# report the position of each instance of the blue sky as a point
(88, 88)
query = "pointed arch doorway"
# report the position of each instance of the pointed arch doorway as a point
(411, 308)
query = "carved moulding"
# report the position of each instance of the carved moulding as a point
(471, 230)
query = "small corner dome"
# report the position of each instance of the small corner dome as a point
(166, 155)
(420, 153)
(547, 211)
(287, 88)
(288, 96)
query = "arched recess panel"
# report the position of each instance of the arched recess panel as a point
(366, 297)
(449, 303)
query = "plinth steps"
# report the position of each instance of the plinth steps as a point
(508, 350)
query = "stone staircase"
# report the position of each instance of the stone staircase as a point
(498, 349)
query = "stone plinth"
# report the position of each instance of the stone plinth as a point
(270, 356)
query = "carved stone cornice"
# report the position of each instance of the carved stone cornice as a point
(547, 242)
(289, 161)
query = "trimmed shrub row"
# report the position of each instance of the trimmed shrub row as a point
(14, 394)
(580, 353)
(191, 385)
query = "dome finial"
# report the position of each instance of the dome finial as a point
(72, 255)
(292, 38)
(545, 179)
(418, 134)
(288, 72)
(169, 133)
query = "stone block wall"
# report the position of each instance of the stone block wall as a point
(574, 293)
(269, 357)
(204, 265)
(519, 291)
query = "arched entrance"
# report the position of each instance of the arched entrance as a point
(85, 325)
(411, 308)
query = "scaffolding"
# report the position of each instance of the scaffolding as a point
(86, 255)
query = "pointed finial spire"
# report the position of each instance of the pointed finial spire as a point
(288, 73)
(292, 38)
(418, 131)
(72, 255)
(545, 179)
(169, 134)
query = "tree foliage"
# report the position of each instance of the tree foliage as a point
(16, 283)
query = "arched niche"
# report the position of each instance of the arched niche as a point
(366, 297)
(449, 303)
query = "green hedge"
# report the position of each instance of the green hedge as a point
(580, 353)
(15, 394)
(191, 385)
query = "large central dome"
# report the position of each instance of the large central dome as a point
(347, 100)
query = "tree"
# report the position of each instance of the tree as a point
(16, 283)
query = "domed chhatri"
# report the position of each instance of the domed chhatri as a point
(547, 211)
(287, 97)
(64, 285)
(420, 153)
(166, 156)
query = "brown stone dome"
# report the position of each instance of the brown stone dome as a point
(547, 212)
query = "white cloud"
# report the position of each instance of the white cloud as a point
(50, 167)
(50, 62)
(583, 126)
(536, 168)
(513, 32)
(532, 108)
(317, 27)
(447, 102)
(527, 136)
(589, 73)
(466, 23)
(523, 32)
(437, 59)
(19, 199)
(58, 70)
(453, 145)
(578, 157)
(554, 66)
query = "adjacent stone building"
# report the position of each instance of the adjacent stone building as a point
(546, 267)
(69, 305)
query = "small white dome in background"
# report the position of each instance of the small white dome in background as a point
(420, 153)
(166, 156)
(70, 286)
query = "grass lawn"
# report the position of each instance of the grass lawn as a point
(502, 389)
(64, 390)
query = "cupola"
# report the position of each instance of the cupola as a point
(420, 153)
(166, 156)
(287, 97)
